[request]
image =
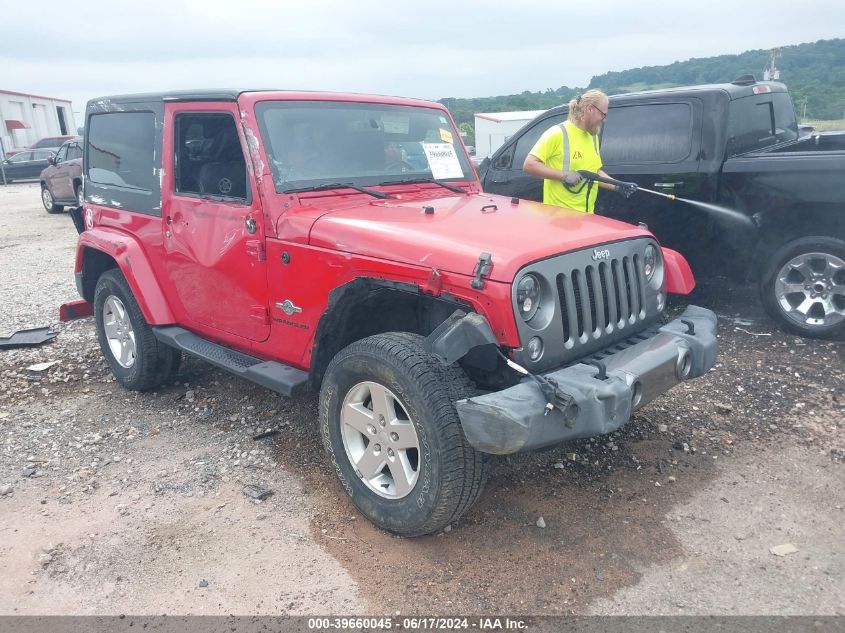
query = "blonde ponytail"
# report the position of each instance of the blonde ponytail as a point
(578, 106)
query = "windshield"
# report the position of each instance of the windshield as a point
(313, 143)
(759, 121)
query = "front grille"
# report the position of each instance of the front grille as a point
(600, 299)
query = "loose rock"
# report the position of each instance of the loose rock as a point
(783, 550)
(541, 523)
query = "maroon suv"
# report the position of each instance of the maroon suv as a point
(61, 182)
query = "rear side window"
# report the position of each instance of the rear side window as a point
(760, 121)
(652, 133)
(121, 148)
(530, 138)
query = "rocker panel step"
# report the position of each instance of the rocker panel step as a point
(284, 379)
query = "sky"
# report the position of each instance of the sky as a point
(426, 48)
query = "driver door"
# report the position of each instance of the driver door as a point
(213, 228)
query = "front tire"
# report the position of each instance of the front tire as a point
(137, 359)
(392, 434)
(803, 288)
(47, 201)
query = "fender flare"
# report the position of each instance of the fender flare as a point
(135, 266)
(679, 277)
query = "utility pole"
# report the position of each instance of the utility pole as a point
(2, 160)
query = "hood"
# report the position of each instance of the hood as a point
(461, 228)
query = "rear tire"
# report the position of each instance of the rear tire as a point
(803, 289)
(47, 201)
(137, 359)
(393, 436)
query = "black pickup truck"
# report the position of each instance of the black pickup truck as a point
(733, 145)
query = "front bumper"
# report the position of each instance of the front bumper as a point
(516, 419)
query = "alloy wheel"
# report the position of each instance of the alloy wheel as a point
(119, 332)
(810, 289)
(380, 440)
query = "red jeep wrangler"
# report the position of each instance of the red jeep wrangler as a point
(343, 242)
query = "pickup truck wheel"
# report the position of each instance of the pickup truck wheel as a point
(393, 436)
(47, 200)
(136, 358)
(804, 287)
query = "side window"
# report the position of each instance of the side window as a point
(61, 156)
(121, 150)
(209, 159)
(74, 151)
(21, 157)
(652, 133)
(527, 141)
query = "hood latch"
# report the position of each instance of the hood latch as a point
(481, 270)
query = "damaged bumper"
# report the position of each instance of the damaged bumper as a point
(518, 419)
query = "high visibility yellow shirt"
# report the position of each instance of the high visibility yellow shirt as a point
(583, 149)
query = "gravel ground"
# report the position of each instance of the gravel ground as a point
(117, 502)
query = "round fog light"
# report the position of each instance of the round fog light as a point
(535, 348)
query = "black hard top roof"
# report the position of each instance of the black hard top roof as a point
(174, 95)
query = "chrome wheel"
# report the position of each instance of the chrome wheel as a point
(120, 335)
(47, 198)
(380, 440)
(810, 289)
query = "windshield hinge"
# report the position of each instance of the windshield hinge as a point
(481, 270)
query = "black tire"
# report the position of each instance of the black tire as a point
(450, 473)
(47, 200)
(818, 322)
(154, 362)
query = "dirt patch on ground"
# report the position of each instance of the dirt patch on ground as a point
(116, 502)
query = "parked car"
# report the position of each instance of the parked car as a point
(295, 248)
(61, 181)
(48, 142)
(26, 165)
(736, 146)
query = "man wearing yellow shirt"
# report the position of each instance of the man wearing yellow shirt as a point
(565, 149)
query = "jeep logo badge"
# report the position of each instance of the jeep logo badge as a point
(600, 254)
(288, 307)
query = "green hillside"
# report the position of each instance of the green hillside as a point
(814, 74)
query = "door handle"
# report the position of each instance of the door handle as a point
(669, 185)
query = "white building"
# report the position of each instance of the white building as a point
(26, 118)
(494, 128)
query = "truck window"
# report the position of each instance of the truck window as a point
(649, 133)
(121, 150)
(209, 159)
(759, 121)
(527, 141)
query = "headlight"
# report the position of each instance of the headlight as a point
(528, 296)
(649, 262)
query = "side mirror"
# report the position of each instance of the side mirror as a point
(52, 160)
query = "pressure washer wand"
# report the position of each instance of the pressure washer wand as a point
(590, 175)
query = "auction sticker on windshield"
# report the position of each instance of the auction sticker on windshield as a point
(442, 160)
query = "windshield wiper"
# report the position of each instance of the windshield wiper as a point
(414, 181)
(341, 185)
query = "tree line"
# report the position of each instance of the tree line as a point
(814, 74)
